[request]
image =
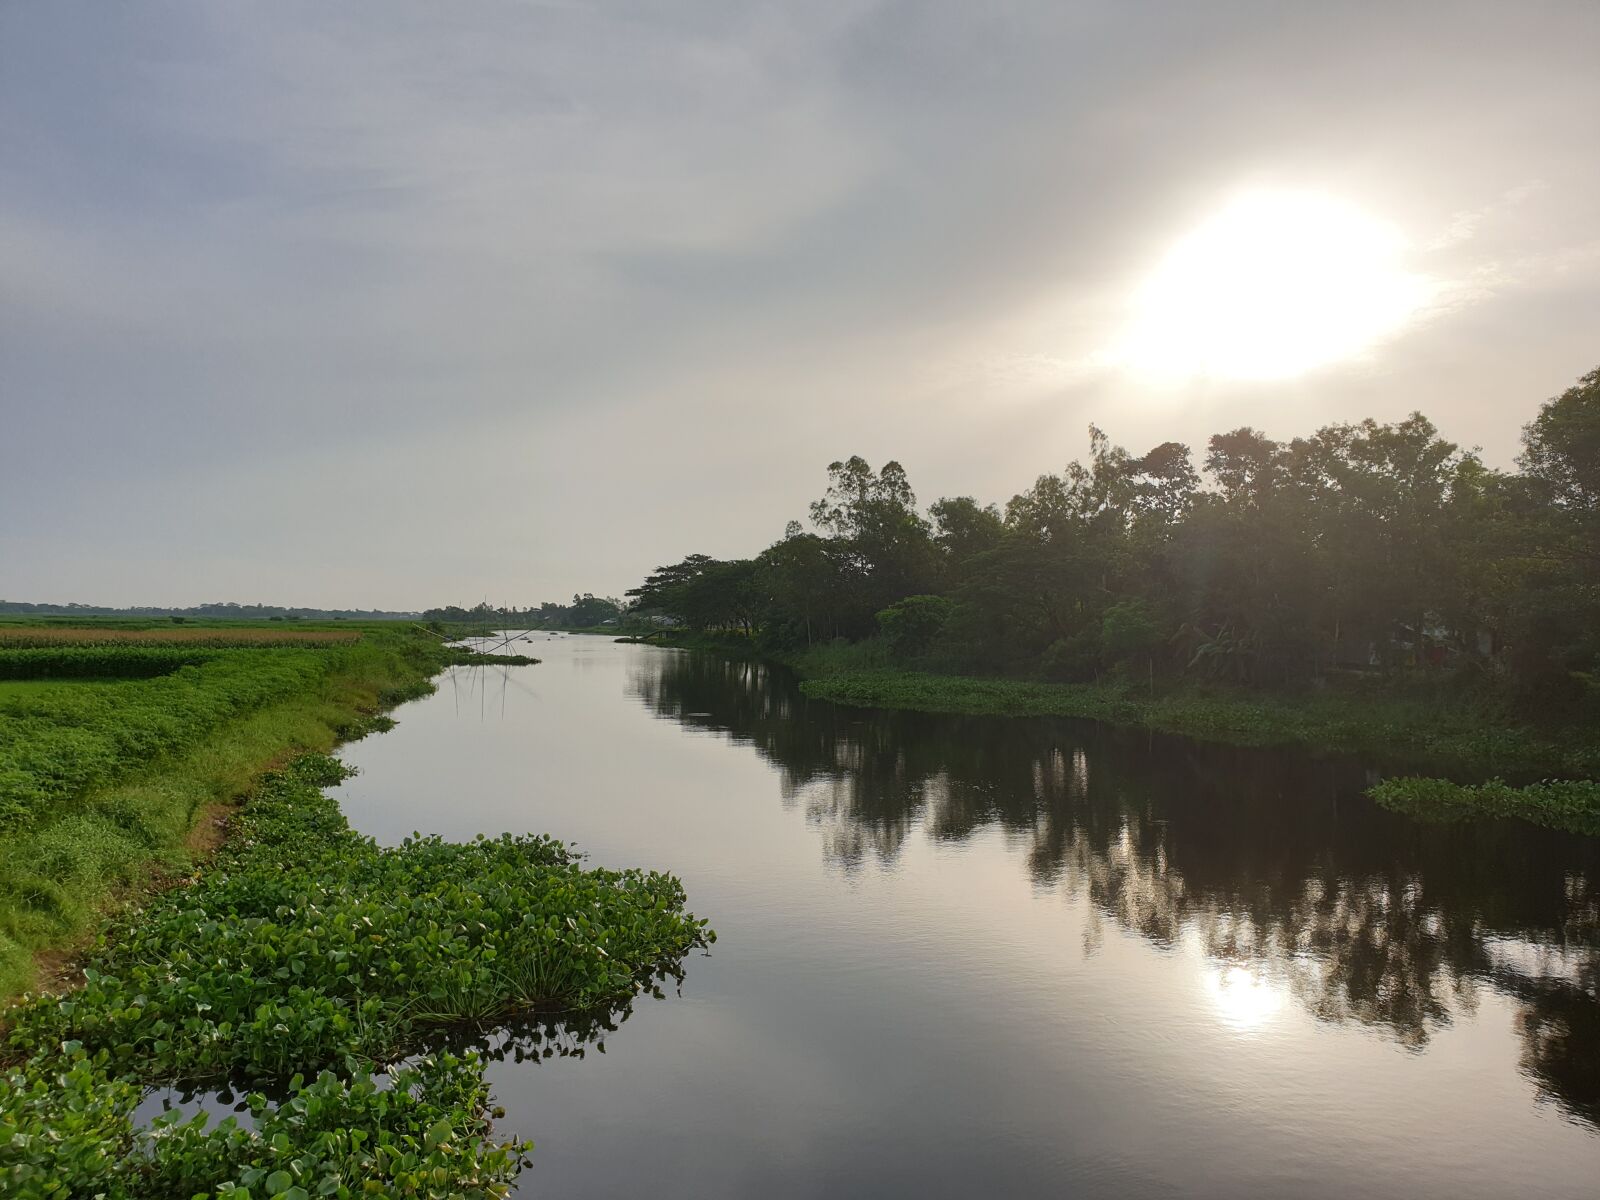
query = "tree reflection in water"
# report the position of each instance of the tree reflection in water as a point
(1273, 860)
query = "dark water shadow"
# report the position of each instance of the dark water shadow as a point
(1274, 859)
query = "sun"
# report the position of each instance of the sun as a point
(1273, 285)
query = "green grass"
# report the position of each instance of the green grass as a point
(1436, 731)
(310, 953)
(103, 782)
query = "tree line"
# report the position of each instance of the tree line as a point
(586, 611)
(1364, 547)
(228, 610)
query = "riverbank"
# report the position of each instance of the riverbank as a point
(1442, 730)
(1432, 735)
(118, 781)
(1400, 729)
(302, 968)
(1421, 736)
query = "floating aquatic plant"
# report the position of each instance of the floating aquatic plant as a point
(308, 952)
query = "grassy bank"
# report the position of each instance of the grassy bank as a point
(307, 962)
(732, 644)
(1397, 728)
(1433, 730)
(112, 780)
(1448, 735)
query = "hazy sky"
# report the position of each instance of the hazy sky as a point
(395, 304)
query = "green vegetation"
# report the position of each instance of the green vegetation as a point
(473, 658)
(107, 782)
(587, 611)
(1418, 730)
(125, 633)
(69, 1132)
(307, 952)
(99, 662)
(59, 744)
(1562, 804)
(1369, 586)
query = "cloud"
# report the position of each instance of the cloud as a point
(601, 267)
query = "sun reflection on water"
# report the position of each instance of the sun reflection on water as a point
(1245, 1000)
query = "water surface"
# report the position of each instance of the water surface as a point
(969, 956)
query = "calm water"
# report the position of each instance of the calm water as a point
(968, 957)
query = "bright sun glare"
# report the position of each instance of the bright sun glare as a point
(1273, 285)
(1244, 1000)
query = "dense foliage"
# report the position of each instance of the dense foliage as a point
(585, 612)
(310, 953)
(67, 1130)
(1363, 549)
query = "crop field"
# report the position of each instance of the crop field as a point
(113, 742)
(41, 652)
(57, 743)
(26, 636)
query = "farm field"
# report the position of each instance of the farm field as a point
(116, 744)
(227, 637)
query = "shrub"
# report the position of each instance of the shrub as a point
(1129, 632)
(910, 626)
(1075, 659)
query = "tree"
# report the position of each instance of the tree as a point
(874, 516)
(1553, 524)
(1247, 466)
(588, 610)
(1362, 544)
(1129, 633)
(703, 593)
(1163, 484)
(910, 626)
(1375, 497)
(1561, 447)
(964, 528)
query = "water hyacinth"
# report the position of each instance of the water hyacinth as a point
(69, 1131)
(1570, 804)
(308, 952)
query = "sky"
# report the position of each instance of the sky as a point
(394, 304)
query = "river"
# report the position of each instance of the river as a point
(968, 957)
